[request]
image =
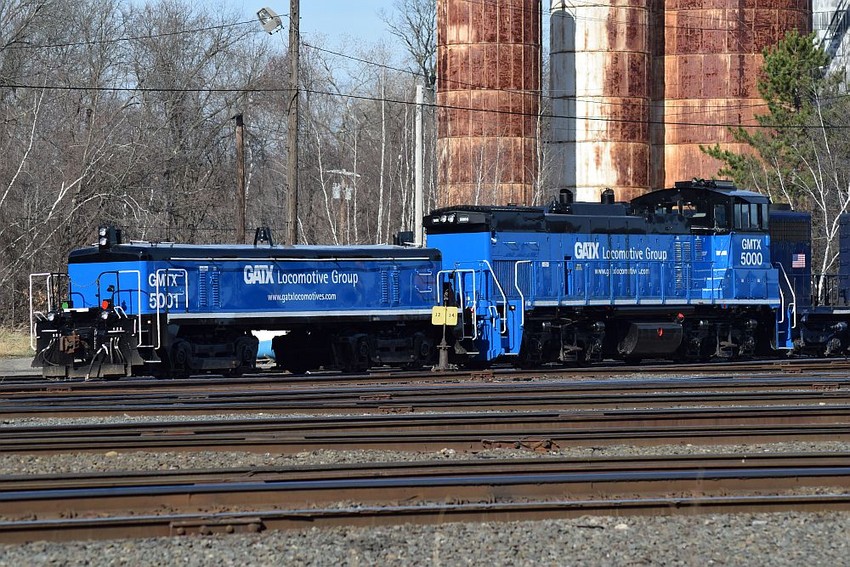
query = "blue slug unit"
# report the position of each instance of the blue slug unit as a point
(685, 273)
(209, 284)
(192, 308)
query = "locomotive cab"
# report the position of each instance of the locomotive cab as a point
(731, 231)
(712, 207)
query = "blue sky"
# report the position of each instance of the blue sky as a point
(357, 19)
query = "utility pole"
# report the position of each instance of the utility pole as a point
(292, 163)
(240, 180)
(418, 169)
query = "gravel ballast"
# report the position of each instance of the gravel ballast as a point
(776, 539)
(738, 539)
(744, 539)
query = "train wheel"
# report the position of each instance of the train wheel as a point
(359, 359)
(423, 351)
(181, 359)
(245, 355)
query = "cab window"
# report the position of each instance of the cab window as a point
(750, 216)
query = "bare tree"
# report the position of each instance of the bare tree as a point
(414, 22)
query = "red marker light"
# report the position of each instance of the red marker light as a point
(660, 332)
(104, 304)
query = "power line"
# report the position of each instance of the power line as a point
(381, 65)
(402, 102)
(358, 59)
(513, 91)
(20, 45)
(627, 24)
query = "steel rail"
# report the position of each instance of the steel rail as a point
(446, 397)
(831, 366)
(634, 384)
(540, 430)
(419, 469)
(170, 525)
(491, 490)
(543, 399)
(483, 486)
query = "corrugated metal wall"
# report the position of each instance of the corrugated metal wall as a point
(638, 85)
(600, 62)
(488, 92)
(706, 77)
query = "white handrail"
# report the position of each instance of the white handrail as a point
(504, 297)
(521, 296)
(46, 275)
(793, 296)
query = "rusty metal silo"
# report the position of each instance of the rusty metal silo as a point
(488, 68)
(706, 77)
(600, 61)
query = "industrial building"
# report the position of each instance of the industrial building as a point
(636, 87)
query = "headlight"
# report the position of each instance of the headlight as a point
(51, 316)
(104, 315)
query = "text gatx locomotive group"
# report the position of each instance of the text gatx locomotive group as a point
(698, 271)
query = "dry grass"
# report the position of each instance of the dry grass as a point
(14, 343)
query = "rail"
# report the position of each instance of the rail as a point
(250, 500)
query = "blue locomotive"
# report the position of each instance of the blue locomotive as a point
(682, 273)
(126, 308)
(692, 272)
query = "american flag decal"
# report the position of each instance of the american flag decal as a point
(798, 260)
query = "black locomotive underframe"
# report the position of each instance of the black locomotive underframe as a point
(692, 333)
(353, 346)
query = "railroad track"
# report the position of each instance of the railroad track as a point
(104, 399)
(824, 366)
(177, 503)
(539, 411)
(537, 430)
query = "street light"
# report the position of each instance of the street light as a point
(269, 20)
(271, 23)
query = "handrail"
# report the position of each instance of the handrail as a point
(460, 291)
(137, 324)
(156, 287)
(46, 275)
(519, 291)
(504, 297)
(793, 296)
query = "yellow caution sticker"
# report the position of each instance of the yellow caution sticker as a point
(444, 316)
